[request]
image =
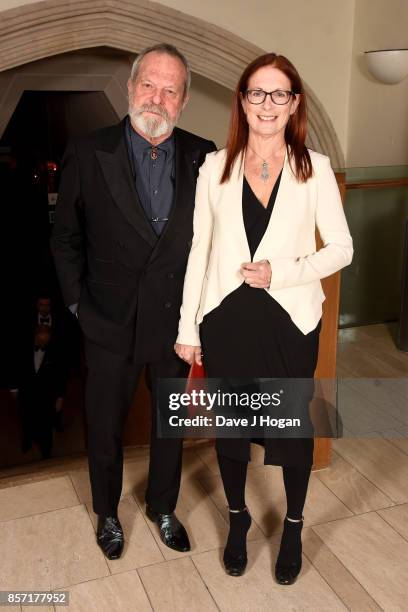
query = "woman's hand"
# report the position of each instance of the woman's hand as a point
(189, 353)
(257, 274)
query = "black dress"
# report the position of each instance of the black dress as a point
(249, 335)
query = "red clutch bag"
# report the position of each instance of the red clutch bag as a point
(195, 382)
(196, 373)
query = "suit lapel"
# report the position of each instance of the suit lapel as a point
(42, 364)
(186, 163)
(115, 165)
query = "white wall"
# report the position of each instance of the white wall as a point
(378, 113)
(102, 69)
(317, 35)
(208, 110)
(325, 40)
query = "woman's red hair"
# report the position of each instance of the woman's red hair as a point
(295, 131)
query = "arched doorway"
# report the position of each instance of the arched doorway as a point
(51, 28)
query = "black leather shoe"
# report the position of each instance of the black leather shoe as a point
(172, 532)
(289, 561)
(109, 536)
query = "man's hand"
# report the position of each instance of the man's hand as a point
(257, 274)
(189, 353)
(59, 404)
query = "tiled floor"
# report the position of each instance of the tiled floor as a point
(355, 536)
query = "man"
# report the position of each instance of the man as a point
(63, 335)
(42, 383)
(43, 312)
(122, 235)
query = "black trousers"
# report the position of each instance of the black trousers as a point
(37, 409)
(111, 384)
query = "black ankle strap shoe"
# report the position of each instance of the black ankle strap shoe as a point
(235, 555)
(289, 562)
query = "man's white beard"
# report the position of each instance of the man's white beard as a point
(151, 126)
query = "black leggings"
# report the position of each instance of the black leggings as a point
(296, 480)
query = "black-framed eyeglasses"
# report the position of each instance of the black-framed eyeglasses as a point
(278, 96)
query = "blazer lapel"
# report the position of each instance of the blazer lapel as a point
(233, 201)
(117, 171)
(274, 237)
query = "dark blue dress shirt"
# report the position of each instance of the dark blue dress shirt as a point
(154, 178)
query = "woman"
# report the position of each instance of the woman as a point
(252, 300)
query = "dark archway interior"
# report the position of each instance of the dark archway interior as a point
(37, 135)
(31, 151)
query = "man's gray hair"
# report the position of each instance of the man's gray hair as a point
(168, 50)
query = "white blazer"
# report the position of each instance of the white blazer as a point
(220, 246)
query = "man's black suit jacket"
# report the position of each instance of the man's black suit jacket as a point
(39, 391)
(44, 387)
(127, 281)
